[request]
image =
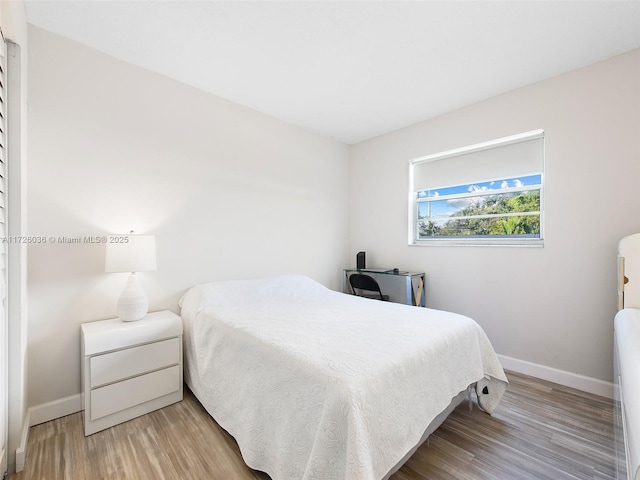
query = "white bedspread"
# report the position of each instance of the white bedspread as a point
(315, 384)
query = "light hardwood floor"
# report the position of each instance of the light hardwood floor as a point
(540, 431)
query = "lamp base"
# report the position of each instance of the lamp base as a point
(132, 304)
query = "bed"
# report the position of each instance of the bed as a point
(316, 384)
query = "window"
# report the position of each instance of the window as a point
(484, 194)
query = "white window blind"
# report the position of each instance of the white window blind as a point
(507, 157)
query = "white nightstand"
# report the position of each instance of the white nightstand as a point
(130, 368)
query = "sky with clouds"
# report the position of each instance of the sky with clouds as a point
(450, 200)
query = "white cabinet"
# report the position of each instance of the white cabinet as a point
(130, 368)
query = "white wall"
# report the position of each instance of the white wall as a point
(552, 306)
(228, 192)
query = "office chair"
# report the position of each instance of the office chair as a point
(365, 283)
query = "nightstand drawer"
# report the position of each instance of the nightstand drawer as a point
(122, 395)
(115, 366)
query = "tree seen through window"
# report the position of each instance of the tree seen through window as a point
(508, 207)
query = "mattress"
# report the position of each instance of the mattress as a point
(316, 384)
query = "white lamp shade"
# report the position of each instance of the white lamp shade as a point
(130, 253)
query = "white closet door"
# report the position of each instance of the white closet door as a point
(3, 261)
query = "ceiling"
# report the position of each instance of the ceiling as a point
(350, 70)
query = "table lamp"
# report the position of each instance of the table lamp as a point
(131, 253)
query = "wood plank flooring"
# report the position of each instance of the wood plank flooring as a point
(540, 431)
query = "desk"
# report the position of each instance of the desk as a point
(402, 287)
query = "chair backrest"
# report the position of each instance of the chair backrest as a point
(360, 281)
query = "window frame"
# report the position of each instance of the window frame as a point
(414, 203)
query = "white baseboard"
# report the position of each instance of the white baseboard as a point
(21, 451)
(56, 409)
(44, 413)
(562, 377)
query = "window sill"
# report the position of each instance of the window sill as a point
(537, 243)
